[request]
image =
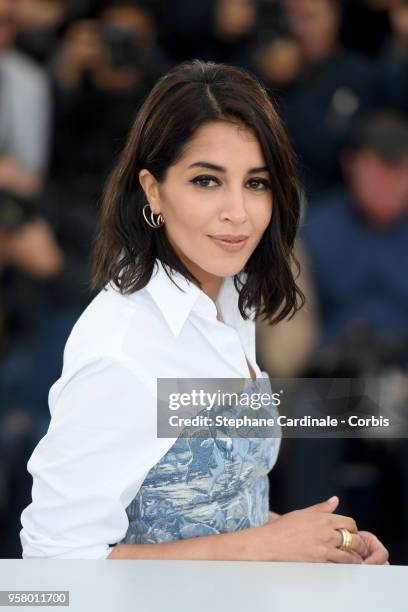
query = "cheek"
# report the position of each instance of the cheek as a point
(366, 184)
(398, 186)
(388, 190)
(184, 214)
(261, 214)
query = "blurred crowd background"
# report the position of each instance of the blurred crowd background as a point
(72, 76)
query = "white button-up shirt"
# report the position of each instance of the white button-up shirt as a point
(102, 439)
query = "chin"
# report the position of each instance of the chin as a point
(226, 269)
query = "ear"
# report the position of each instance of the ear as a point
(151, 189)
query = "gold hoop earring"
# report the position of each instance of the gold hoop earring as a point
(155, 224)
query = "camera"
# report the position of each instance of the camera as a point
(14, 212)
(123, 46)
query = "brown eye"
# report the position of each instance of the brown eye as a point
(259, 184)
(204, 180)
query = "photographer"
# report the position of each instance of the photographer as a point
(357, 236)
(29, 254)
(27, 246)
(25, 105)
(319, 83)
(25, 108)
(104, 68)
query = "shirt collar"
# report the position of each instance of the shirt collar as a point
(176, 304)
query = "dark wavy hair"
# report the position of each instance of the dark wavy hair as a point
(188, 96)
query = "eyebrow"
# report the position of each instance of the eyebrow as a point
(203, 164)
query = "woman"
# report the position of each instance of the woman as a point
(198, 223)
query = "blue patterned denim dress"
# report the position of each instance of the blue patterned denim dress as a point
(205, 486)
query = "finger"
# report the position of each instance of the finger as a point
(325, 506)
(359, 546)
(336, 555)
(371, 539)
(339, 521)
(337, 538)
(378, 554)
(378, 557)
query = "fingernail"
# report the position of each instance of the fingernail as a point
(332, 499)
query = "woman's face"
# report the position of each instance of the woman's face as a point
(220, 186)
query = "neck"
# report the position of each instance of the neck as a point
(210, 283)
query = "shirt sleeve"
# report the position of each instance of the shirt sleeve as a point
(32, 129)
(90, 464)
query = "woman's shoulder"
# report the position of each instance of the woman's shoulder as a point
(105, 325)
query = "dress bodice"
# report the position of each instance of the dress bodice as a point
(204, 486)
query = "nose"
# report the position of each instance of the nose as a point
(234, 205)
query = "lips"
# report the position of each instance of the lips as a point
(229, 245)
(230, 238)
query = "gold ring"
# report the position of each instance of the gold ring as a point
(346, 539)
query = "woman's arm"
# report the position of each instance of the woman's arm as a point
(100, 445)
(308, 535)
(90, 464)
(235, 546)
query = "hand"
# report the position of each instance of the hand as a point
(33, 248)
(310, 535)
(377, 554)
(82, 49)
(18, 180)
